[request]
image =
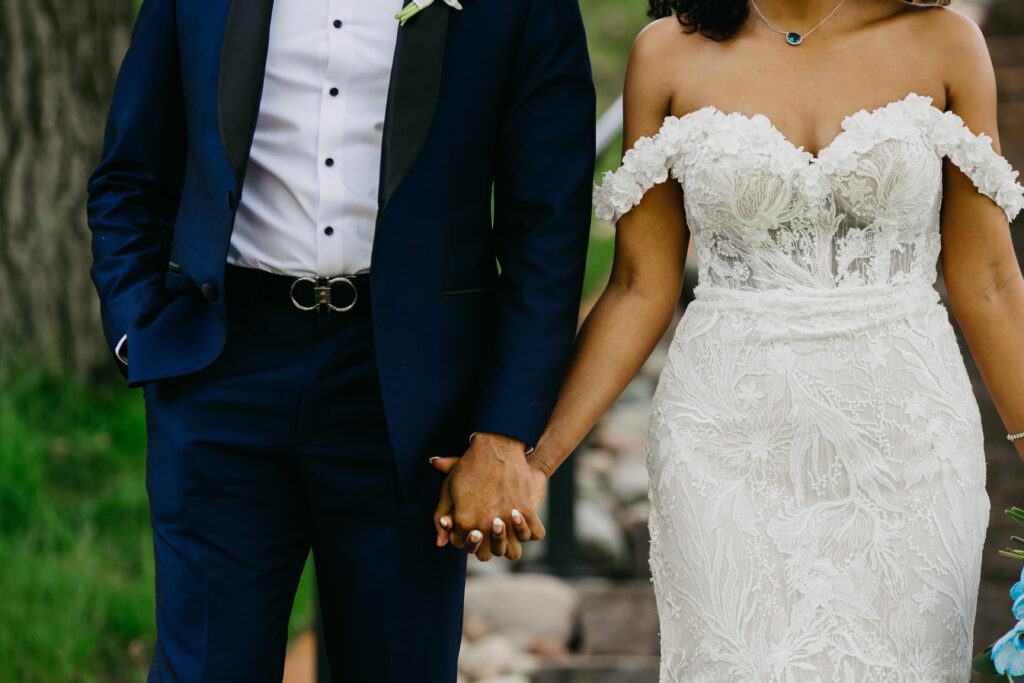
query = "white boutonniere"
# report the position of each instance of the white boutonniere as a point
(414, 7)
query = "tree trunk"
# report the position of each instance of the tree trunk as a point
(58, 61)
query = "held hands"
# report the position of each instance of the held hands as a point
(490, 498)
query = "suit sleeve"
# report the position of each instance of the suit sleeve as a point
(542, 201)
(135, 190)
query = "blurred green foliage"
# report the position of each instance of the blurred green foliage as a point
(76, 558)
(611, 27)
(77, 575)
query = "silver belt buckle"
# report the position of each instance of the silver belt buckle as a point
(322, 294)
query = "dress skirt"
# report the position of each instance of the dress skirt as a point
(817, 481)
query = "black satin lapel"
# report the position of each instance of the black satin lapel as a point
(243, 59)
(412, 96)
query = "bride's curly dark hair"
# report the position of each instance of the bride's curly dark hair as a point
(716, 19)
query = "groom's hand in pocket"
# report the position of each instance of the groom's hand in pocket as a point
(490, 498)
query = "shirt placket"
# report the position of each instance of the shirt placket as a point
(330, 243)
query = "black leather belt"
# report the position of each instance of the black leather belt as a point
(339, 294)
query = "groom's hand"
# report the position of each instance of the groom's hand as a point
(489, 500)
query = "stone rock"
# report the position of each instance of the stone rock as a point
(628, 480)
(639, 391)
(475, 627)
(618, 439)
(600, 540)
(524, 608)
(635, 519)
(634, 418)
(655, 363)
(549, 648)
(513, 678)
(605, 606)
(493, 656)
(600, 669)
(638, 512)
(590, 484)
(624, 428)
(497, 565)
(597, 460)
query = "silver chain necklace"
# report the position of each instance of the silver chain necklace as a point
(792, 37)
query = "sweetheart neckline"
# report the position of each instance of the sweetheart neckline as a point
(812, 157)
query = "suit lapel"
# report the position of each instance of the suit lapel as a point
(412, 96)
(243, 59)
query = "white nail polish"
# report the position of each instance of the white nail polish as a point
(516, 517)
(475, 536)
(444, 522)
(498, 525)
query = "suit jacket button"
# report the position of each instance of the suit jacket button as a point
(210, 291)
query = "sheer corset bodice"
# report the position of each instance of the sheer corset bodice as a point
(767, 215)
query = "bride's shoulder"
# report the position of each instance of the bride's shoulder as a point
(933, 39)
(664, 39)
(938, 31)
(665, 55)
(936, 18)
(950, 42)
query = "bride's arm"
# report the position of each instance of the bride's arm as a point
(639, 300)
(982, 275)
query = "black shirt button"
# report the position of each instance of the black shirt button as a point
(334, 92)
(330, 161)
(328, 231)
(337, 23)
(210, 291)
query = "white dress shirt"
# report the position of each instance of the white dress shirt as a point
(309, 202)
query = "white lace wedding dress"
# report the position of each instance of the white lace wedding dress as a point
(815, 452)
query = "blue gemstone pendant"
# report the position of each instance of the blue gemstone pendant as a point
(794, 38)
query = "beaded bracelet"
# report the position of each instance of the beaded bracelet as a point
(1014, 437)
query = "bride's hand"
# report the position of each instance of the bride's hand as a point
(489, 501)
(520, 529)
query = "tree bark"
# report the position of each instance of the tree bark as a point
(58, 62)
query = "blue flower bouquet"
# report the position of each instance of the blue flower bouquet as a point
(1006, 657)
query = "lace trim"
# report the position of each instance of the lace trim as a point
(974, 155)
(643, 167)
(649, 161)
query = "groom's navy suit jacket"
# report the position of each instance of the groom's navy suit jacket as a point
(473, 316)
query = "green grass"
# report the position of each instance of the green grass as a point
(77, 570)
(76, 558)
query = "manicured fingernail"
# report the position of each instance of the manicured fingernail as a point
(475, 537)
(443, 522)
(498, 525)
(436, 457)
(516, 517)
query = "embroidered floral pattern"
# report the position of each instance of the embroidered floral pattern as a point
(815, 455)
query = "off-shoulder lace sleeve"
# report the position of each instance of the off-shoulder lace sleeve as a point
(974, 155)
(644, 166)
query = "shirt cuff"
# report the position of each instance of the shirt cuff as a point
(529, 448)
(121, 350)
